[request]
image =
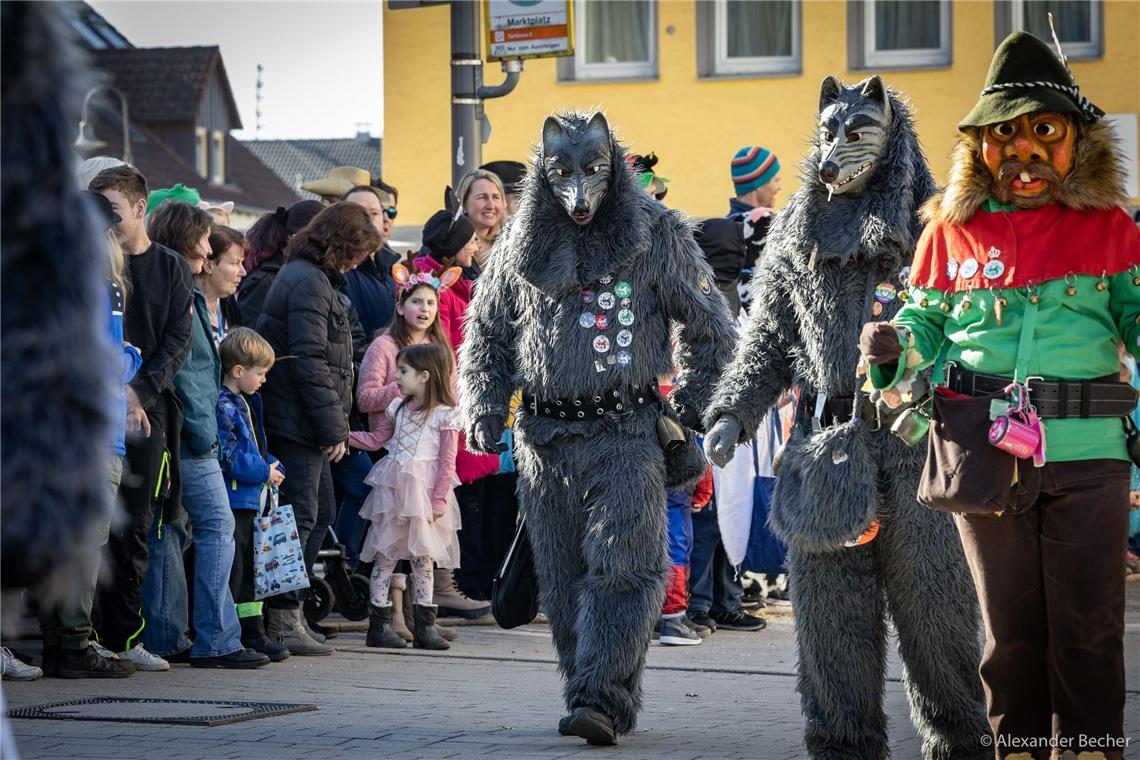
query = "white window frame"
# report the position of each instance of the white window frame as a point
(218, 158)
(767, 64)
(584, 70)
(201, 152)
(1092, 49)
(913, 58)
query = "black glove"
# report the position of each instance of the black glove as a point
(721, 441)
(484, 437)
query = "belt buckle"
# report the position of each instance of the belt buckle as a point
(949, 373)
(1029, 380)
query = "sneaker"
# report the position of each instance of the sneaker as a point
(103, 651)
(739, 620)
(15, 669)
(144, 660)
(701, 630)
(778, 597)
(753, 598)
(88, 663)
(675, 633)
(698, 620)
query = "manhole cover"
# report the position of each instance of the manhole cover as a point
(184, 712)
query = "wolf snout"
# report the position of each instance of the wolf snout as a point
(829, 171)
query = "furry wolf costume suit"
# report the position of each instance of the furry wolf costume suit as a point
(813, 290)
(573, 313)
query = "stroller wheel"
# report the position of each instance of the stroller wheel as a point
(319, 602)
(354, 604)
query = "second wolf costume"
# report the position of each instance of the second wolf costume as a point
(577, 306)
(835, 257)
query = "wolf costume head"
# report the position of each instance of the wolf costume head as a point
(868, 149)
(577, 160)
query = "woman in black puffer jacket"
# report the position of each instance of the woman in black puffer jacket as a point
(308, 393)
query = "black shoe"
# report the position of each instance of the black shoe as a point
(592, 725)
(739, 620)
(87, 663)
(753, 598)
(271, 649)
(701, 630)
(564, 725)
(702, 620)
(779, 597)
(242, 659)
(323, 630)
(178, 658)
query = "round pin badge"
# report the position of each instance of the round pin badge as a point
(606, 280)
(885, 292)
(952, 270)
(993, 270)
(705, 285)
(877, 309)
(623, 289)
(587, 296)
(606, 300)
(624, 357)
(624, 338)
(904, 276)
(586, 319)
(601, 321)
(625, 316)
(969, 268)
(601, 344)
(625, 302)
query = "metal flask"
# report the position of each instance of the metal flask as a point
(912, 425)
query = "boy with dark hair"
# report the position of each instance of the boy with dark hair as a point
(246, 360)
(157, 322)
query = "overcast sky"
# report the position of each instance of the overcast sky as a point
(324, 63)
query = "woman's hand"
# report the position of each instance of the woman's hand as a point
(337, 452)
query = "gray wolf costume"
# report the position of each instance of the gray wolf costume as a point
(841, 246)
(576, 307)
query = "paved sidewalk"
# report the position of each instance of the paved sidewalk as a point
(496, 693)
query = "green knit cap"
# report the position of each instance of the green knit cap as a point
(179, 193)
(1026, 76)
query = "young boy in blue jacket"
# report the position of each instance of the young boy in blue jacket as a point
(249, 470)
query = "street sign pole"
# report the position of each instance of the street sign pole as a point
(466, 78)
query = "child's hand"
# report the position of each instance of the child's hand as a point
(1134, 499)
(275, 474)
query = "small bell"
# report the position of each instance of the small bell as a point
(999, 307)
(945, 306)
(1071, 290)
(966, 303)
(1100, 286)
(1071, 281)
(1034, 299)
(1136, 280)
(904, 296)
(924, 303)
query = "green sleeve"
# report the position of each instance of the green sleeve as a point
(1124, 305)
(926, 324)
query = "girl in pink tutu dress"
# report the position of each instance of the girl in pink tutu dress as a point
(412, 510)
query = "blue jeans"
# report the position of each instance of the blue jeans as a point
(713, 583)
(349, 474)
(211, 526)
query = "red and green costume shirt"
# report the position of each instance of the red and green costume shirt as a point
(970, 284)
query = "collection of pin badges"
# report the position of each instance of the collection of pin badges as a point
(887, 292)
(619, 296)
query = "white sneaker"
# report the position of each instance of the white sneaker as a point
(103, 651)
(144, 660)
(15, 670)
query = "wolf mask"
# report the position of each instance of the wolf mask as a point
(577, 158)
(854, 123)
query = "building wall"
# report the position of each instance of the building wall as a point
(695, 125)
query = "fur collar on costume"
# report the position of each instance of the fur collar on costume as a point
(879, 221)
(1096, 181)
(558, 256)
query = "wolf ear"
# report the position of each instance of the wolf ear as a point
(551, 131)
(874, 89)
(829, 91)
(599, 125)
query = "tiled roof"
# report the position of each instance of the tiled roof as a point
(251, 185)
(298, 161)
(165, 85)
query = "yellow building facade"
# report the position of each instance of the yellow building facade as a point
(695, 123)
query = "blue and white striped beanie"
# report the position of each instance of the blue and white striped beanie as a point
(753, 167)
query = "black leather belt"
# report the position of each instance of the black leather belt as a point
(592, 407)
(837, 409)
(1059, 399)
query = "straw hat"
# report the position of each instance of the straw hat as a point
(338, 181)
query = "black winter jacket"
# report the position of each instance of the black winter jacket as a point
(254, 288)
(308, 394)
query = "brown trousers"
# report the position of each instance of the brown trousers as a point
(1050, 580)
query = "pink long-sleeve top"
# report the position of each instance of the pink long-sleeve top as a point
(415, 439)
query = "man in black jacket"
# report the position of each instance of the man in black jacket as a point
(157, 322)
(370, 286)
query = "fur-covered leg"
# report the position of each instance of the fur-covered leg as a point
(841, 638)
(935, 610)
(554, 519)
(626, 562)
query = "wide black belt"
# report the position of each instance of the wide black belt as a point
(1059, 399)
(592, 407)
(837, 410)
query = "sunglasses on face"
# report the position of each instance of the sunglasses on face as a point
(390, 212)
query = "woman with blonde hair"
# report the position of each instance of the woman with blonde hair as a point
(484, 202)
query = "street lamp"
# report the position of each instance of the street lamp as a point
(86, 141)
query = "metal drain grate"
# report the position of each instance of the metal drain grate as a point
(179, 712)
